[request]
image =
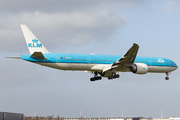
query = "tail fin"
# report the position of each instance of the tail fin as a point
(33, 44)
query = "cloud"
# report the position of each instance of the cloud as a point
(11, 6)
(74, 28)
(132, 3)
(61, 22)
(18, 6)
(171, 6)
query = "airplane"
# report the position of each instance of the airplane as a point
(100, 65)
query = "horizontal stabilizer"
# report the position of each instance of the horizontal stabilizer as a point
(14, 57)
(38, 55)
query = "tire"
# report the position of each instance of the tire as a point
(92, 79)
(167, 78)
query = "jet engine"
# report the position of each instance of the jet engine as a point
(139, 68)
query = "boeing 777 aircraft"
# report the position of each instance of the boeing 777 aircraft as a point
(101, 65)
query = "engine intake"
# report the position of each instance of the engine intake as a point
(139, 68)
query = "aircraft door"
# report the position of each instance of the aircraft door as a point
(57, 59)
(150, 62)
(88, 60)
(169, 63)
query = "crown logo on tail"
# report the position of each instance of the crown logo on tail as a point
(34, 40)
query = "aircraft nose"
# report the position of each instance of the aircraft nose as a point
(175, 66)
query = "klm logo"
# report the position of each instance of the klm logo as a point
(35, 44)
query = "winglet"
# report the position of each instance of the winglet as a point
(33, 44)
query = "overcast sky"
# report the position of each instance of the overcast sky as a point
(91, 26)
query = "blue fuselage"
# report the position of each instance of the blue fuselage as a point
(97, 59)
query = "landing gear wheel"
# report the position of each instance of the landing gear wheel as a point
(117, 76)
(110, 77)
(92, 79)
(167, 78)
(99, 77)
(113, 76)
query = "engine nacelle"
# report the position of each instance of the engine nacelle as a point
(139, 68)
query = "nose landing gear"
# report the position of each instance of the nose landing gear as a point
(167, 76)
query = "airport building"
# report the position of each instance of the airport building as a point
(110, 118)
(11, 116)
(19, 116)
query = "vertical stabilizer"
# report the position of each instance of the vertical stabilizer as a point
(33, 44)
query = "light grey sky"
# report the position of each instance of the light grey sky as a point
(93, 26)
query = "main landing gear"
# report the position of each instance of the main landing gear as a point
(167, 76)
(113, 76)
(96, 77)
